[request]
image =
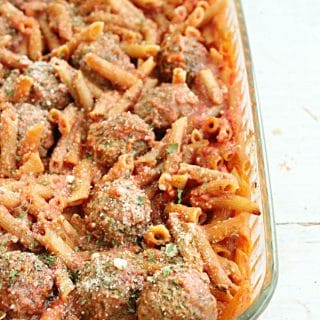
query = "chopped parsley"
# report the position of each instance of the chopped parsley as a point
(22, 214)
(12, 275)
(171, 250)
(140, 200)
(47, 259)
(152, 257)
(167, 270)
(173, 147)
(176, 49)
(10, 93)
(179, 194)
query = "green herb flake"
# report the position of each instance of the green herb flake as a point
(83, 301)
(171, 250)
(12, 275)
(166, 271)
(176, 49)
(22, 214)
(152, 257)
(47, 259)
(173, 147)
(10, 93)
(140, 200)
(179, 194)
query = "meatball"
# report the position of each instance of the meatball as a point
(29, 116)
(177, 293)
(163, 105)
(47, 90)
(108, 286)
(107, 47)
(184, 52)
(25, 284)
(118, 212)
(123, 133)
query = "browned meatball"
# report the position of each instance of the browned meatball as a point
(177, 293)
(107, 47)
(25, 284)
(163, 105)
(47, 90)
(184, 52)
(108, 286)
(123, 133)
(118, 212)
(29, 116)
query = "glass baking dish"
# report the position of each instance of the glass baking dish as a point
(230, 24)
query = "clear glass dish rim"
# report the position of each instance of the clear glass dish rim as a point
(262, 300)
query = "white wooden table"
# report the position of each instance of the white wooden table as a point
(285, 43)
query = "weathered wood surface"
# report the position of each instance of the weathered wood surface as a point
(285, 43)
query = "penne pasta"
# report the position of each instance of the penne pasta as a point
(8, 141)
(109, 71)
(157, 236)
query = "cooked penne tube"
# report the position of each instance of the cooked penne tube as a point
(196, 18)
(90, 33)
(228, 201)
(16, 17)
(157, 236)
(82, 91)
(68, 148)
(53, 243)
(17, 228)
(212, 86)
(212, 11)
(65, 73)
(148, 4)
(179, 76)
(220, 230)
(60, 17)
(187, 246)
(32, 165)
(95, 90)
(8, 141)
(22, 89)
(62, 280)
(187, 214)
(216, 188)
(127, 9)
(213, 266)
(51, 39)
(129, 98)
(9, 198)
(142, 51)
(13, 60)
(105, 102)
(122, 168)
(82, 183)
(146, 68)
(31, 141)
(231, 269)
(35, 45)
(110, 71)
(124, 33)
(87, 6)
(203, 175)
(65, 119)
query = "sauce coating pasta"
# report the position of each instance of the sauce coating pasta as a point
(124, 189)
